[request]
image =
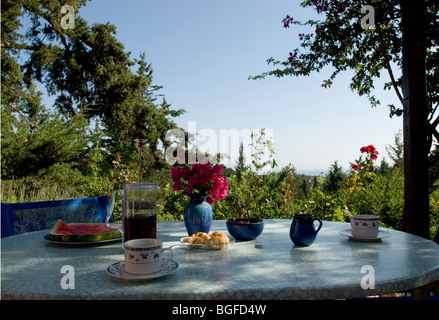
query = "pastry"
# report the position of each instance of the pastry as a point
(197, 240)
(203, 235)
(216, 241)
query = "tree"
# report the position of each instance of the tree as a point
(416, 215)
(305, 187)
(369, 51)
(87, 71)
(52, 140)
(241, 166)
(396, 152)
(335, 179)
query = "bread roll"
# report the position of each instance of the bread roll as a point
(216, 241)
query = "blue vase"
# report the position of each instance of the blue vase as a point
(303, 231)
(197, 215)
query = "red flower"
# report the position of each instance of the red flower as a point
(370, 150)
(355, 167)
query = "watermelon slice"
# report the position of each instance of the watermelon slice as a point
(82, 232)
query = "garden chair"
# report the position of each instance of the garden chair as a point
(17, 218)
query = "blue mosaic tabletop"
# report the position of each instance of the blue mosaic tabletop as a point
(269, 267)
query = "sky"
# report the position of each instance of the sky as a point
(202, 52)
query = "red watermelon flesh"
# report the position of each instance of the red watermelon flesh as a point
(62, 231)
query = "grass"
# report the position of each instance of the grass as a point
(16, 192)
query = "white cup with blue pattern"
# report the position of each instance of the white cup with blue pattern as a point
(364, 225)
(144, 256)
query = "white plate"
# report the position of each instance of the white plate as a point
(117, 270)
(381, 235)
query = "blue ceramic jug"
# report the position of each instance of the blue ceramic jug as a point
(303, 231)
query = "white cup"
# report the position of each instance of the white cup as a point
(364, 225)
(144, 256)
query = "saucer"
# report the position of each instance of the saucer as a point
(381, 235)
(117, 270)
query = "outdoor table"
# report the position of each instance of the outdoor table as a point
(269, 267)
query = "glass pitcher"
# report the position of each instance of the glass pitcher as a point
(139, 216)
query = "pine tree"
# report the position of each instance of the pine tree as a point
(241, 166)
(90, 76)
(334, 179)
(305, 187)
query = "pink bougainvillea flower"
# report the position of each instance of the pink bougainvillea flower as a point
(177, 185)
(287, 21)
(201, 178)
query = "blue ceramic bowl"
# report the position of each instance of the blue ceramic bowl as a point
(245, 229)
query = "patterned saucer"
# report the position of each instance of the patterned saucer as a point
(117, 270)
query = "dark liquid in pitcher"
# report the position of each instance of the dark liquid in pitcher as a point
(139, 226)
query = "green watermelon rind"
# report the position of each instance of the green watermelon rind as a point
(93, 237)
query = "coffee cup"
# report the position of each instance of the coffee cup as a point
(364, 225)
(144, 256)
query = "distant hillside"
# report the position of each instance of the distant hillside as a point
(312, 172)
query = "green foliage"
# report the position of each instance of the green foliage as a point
(326, 206)
(171, 204)
(26, 190)
(260, 145)
(434, 212)
(334, 179)
(94, 83)
(367, 53)
(272, 196)
(255, 196)
(51, 141)
(241, 166)
(251, 196)
(104, 99)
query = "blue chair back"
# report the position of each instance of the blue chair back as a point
(17, 218)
